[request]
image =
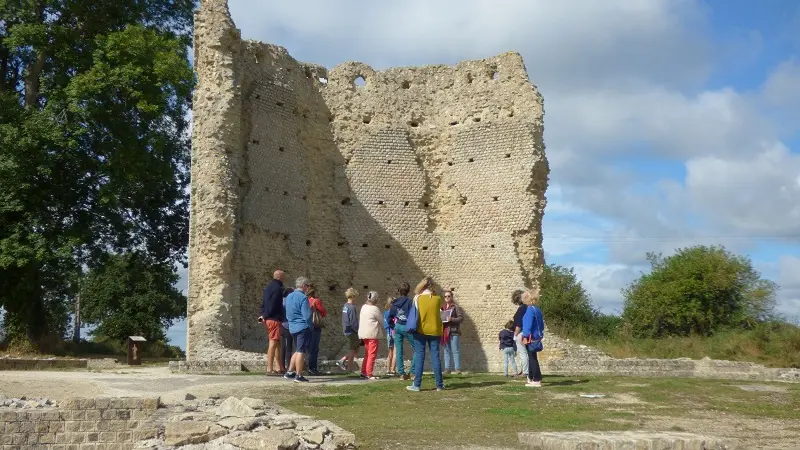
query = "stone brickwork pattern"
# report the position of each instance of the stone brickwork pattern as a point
(358, 177)
(80, 424)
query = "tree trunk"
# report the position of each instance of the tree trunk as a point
(32, 80)
(76, 332)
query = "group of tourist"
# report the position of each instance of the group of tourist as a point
(429, 322)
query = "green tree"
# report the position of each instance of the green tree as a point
(94, 149)
(129, 296)
(565, 303)
(698, 290)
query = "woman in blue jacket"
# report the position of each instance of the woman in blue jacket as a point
(532, 334)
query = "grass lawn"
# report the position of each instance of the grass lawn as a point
(489, 410)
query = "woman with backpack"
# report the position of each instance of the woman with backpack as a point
(318, 312)
(425, 321)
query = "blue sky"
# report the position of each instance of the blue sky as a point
(669, 123)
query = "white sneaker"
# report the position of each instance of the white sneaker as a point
(534, 384)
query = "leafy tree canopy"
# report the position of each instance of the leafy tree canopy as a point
(563, 298)
(128, 296)
(698, 290)
(94, 150)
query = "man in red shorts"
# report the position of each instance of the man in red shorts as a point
(272, 315)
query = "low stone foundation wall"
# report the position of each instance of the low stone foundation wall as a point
(80, 424)
(623, 440)
(42, 363)
(555, 362)
(683, 367)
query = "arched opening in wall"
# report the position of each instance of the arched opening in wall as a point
(494, 199)
(365, 245)
(406, 203)
(332, 288)
(308, 243)
(279, 103)
(449, 163)
(469, 77)
(488, 287)
(366, 119)
(258, 96)
(308, 73)
(405, 85)
(508, 155)
(340, 244)
(387, 246)
(346, 201)
(453, 123)
(413, 123)
(360, 81)
(256, 141)
(389, 161)
(425, 247)
(380, 202)
(366, 287)
(472, 160)
(280, 149)
(491, 246)
(476, 119)
(285, 192)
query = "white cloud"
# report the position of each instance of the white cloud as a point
(565, 42)
(758, 196)
(789, 280)
(604, 283)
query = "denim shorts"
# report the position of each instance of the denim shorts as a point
(302, 340)
(390, 339)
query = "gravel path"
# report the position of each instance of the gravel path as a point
(136, 382)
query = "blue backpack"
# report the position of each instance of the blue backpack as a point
(412, 318)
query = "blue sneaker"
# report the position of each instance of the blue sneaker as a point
(289, 375)
(412, 388)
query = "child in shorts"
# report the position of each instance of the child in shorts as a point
(388, 325)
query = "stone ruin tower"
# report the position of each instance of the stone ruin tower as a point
(358, 177)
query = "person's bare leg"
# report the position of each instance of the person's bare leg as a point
(299, 362)
(278, 356)
(271, 356)
(351, 360)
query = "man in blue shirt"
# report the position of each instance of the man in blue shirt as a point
(298, 314)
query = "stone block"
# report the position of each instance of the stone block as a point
(233, 407)
(131, 403)
(273, 439)
(151, 403)
(183, 433)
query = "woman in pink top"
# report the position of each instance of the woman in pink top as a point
(370, 329)
(316, 333)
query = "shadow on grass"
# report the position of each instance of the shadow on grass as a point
(563, 382)
(468, 385)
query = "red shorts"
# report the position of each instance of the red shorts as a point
(273, 329)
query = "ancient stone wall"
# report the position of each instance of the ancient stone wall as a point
(80, 424)
(357, 177)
